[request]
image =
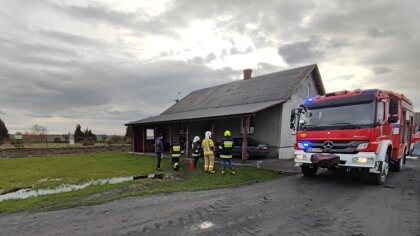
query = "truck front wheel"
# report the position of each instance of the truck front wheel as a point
(380, 177)
(309, 170)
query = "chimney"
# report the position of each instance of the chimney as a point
(247, 74)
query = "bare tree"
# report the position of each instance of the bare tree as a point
(40, 131)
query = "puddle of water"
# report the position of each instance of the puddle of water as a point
(27, 193)
(203, 225)
(120, 180)
(206, 225)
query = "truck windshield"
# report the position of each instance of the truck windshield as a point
(349, 116)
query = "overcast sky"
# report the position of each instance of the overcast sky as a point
(105, 63)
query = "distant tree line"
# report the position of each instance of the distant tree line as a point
(39, 134)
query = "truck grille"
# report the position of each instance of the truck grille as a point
(337, 146)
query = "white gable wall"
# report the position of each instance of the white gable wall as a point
(266, 125)
(287, 139)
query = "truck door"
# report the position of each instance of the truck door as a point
(403, 133)
(406, 131)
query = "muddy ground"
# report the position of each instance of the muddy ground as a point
(333, 203)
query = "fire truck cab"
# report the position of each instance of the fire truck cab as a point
(369, 130)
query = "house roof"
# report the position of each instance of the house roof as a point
(229, 111)
(239, 97)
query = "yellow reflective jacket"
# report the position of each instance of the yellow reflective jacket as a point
(208, 146)
(176, 150)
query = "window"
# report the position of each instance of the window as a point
(403, 128)
(238, 142)
(346, 116)
(381, 112)
(150, 134)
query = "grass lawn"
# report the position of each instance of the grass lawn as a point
(50, 172)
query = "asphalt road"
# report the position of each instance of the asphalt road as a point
(332, 203)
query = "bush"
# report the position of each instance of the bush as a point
(57, 140)
(16, 143)
(109, 141)
(114, 139)
(87, 142)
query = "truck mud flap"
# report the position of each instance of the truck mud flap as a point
(325, 160)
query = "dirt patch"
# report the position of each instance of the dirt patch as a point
(112, 193)
(131, 188)
(33, 152)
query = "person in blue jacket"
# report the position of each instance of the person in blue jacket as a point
(159, 150)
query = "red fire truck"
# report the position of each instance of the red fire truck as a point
(369, 130)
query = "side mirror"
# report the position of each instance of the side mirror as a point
(393, 107)
(393, 119)
(303, 108)
(292, 119)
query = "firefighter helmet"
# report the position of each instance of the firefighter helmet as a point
(227, 133)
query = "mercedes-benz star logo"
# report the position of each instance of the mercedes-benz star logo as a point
(328, 145)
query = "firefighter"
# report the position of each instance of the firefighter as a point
(196, 150)
(175, 154)
(225, 148)
(182, 141)
(208, 148)
(159, 150)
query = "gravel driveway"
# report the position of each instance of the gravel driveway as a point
(333, 203)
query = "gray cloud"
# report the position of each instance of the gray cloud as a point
(311, 51)
(210, 57)
(266, 68)
(203, 60)
(301, 52)
(236, 51)
(71, 38)
(377, 33)
(381, 70)
(139, 22)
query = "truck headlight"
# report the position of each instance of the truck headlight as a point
(362, 146)
(300, 157)
(363, 160)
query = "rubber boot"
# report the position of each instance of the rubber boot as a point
(232, 171)
(223, 171)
